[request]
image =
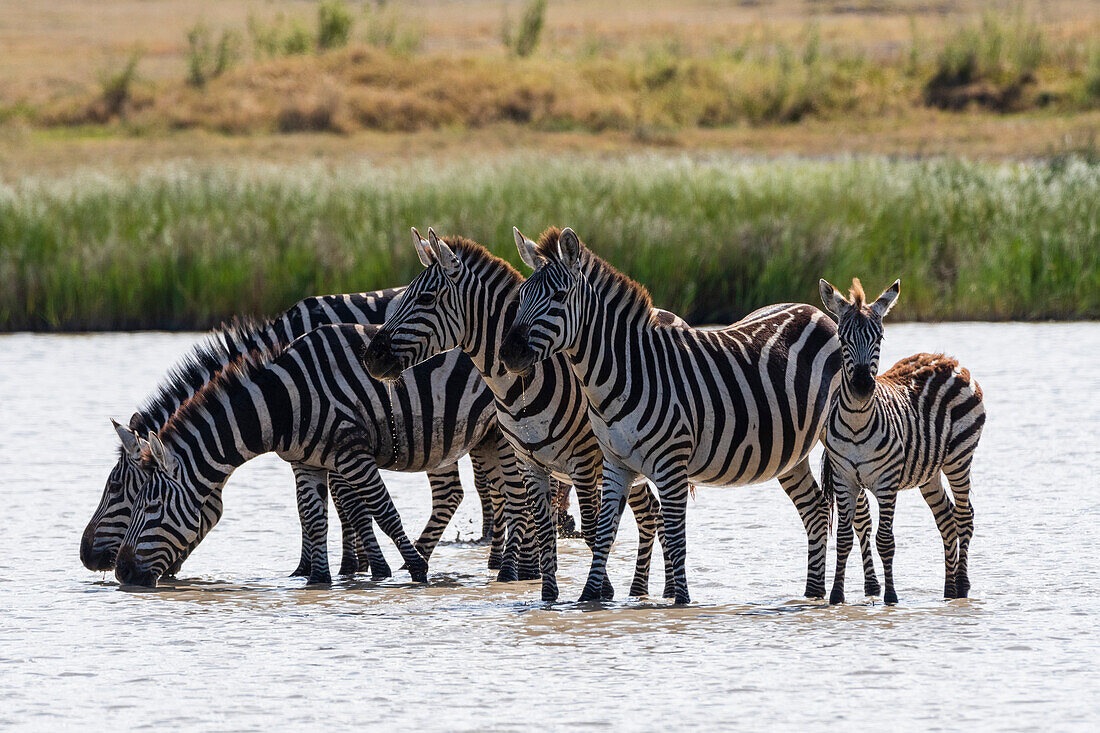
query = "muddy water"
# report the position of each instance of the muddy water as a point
(235, 644)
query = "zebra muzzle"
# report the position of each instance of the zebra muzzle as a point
(516, 353)
(378, 358)
(128, 572)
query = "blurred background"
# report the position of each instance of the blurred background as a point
(168, 163)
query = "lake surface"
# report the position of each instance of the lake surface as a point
(235, 644)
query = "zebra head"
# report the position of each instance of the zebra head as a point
(549, 300)
(427, 319)
(102, 537)
(860, 330)
(165, 520)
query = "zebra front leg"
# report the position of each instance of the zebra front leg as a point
(538, 498)
(446, 496)
(615, 480)
(799, 485)
(958, 476)
(311, 493)
(364, 544)
(884, 540)
(673, 488)
(515, 510)
(647, 510)
(863, 533)
(944, 514)
(357, 479)
(845, 502)
(588, 500)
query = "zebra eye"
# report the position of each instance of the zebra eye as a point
(426, 299)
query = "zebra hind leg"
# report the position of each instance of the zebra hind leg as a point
(446, 496)
(871, 586)
(958, 476)
(944, 514)
(351, 546)
(800, 487)
(646, 510)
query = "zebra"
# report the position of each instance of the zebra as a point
(465, 298)
(103, 534)
(734, 406)
(920, 419)
(311, 403)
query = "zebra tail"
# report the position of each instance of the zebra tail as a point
(828, 489)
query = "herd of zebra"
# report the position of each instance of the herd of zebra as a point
(569, 377)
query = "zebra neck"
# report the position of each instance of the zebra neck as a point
(491, 312)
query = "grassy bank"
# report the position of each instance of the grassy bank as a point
(182, 247)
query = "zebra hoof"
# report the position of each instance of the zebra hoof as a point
(949, 592)
(380, 570)
(890, 598)
(419, 573)
(589, 594)
(319, 578)
(683, 599)
(507, 574)
(302, 571)
(837, 596)
(494, 562)
(549, 593)
(962, 586)
(871, 587)
(608, 592)
(814, 590)
(669, 590)
(528, 574)
(639, 589)
(347, 569)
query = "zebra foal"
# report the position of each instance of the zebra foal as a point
(902, 429)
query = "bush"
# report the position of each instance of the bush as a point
(116, 85)
(281, 38)
(334, 23)
(387, 29)
(524, 41)
(208, 60)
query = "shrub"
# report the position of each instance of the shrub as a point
(334, 23)
(525, 40)
(208, 60)
(116, 85)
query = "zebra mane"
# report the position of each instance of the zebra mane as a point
(605, 272)
(212, 352)
(479, 259)
(238, 349)
(856, 294)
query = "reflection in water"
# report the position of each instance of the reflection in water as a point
(234, 643)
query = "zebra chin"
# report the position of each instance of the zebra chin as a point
(128, 573)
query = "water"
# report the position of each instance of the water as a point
(237, 645)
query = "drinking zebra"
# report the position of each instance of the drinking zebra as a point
(466, 298)
(923, 417)
(738, 405)
(312, 403)
(104, 532)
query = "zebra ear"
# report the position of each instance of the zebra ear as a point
(528, 250)
(161, 455)
(569, 247)
(423, 251)
(834, 302)
(129, 440)
(444, 255)
(886, 301)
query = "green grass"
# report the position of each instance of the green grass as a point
(182, 247)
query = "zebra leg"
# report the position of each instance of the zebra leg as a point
(615, 480)
(588, 500)
(884, 540)
(364, 549)
(350, 545)
(845, 501)
(357, 478)
(646, 510)
(538, 492)
(446, 496)
(863, 533)
(944, 514)
(515, 510)
(673, 488)
(803, 491)
(481, 461)
(559, 492)
(958, 476)
(311, 486)
(528, 566)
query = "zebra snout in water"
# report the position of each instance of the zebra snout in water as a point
(863, 382)
(128, 573)
(515, 352)
(379, 358)
(92, 558)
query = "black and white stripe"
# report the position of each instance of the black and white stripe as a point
(313, 404)
(104, 532)
(900, 430)
(466, 298)
(738, 405)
